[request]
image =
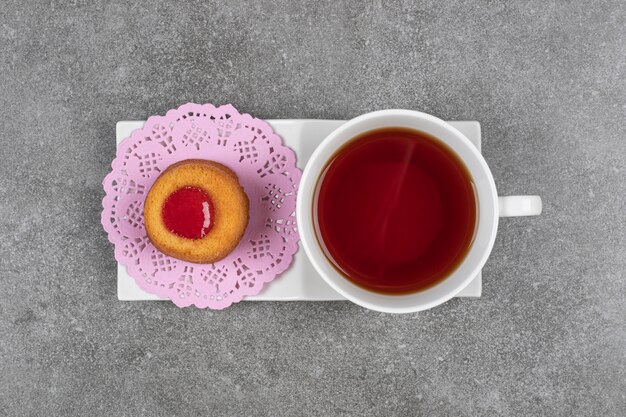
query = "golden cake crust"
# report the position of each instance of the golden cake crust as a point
(230, 203)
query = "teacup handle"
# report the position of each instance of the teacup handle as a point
(520, 205)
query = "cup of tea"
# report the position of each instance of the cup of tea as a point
(398, 211)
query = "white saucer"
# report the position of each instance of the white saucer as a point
(300, 282)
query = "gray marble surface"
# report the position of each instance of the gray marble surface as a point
(545, 78)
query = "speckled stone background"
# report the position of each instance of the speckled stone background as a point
(545, 78)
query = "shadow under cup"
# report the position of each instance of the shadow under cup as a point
(395, 211)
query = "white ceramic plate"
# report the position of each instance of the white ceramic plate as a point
(300, 282)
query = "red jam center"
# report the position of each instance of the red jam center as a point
(188, 212)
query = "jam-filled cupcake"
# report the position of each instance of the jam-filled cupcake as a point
(196, 211)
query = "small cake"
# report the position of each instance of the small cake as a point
(196, 211)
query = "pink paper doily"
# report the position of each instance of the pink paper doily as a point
(267, 171)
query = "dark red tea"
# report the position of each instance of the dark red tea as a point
(395, 210)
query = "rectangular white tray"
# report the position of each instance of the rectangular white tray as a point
(300, 282)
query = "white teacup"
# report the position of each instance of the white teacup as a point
(490, 207)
